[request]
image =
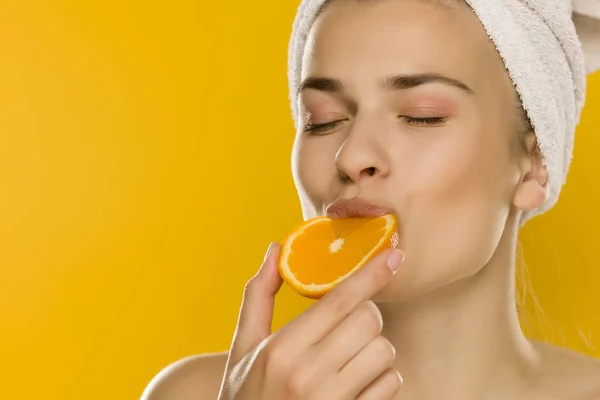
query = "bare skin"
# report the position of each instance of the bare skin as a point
(569, 376)
(299, 361)
(451, 163)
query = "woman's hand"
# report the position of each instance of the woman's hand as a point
(332, 351)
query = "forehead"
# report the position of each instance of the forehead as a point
(393, 36)
(446, 3)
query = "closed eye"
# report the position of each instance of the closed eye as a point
(320, 128)
(423, 121)
(324, 127)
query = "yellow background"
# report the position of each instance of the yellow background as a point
(144, 168)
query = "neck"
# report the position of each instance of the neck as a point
(463, 341)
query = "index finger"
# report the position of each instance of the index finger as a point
(334, 307)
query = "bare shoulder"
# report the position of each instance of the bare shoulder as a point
(196, 377)
(568, 374)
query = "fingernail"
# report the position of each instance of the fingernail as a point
(268, 252)
(395, 259)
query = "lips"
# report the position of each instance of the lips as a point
(357, 208)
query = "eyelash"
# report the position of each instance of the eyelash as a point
(317, 128)
(424, 121)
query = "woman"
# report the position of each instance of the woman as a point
(414, 106)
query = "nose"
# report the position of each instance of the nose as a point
(361, 157)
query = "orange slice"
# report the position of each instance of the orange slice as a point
(320, 253)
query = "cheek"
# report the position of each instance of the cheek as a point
(452, 208)
(459, 173)
(314, 170)
(456, 204)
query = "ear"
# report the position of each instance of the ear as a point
(532, 191)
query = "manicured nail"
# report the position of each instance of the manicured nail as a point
(395, 259)
(268, 252)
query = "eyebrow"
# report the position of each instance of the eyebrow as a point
(397, 82)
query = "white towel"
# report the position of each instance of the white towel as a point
(547, 46)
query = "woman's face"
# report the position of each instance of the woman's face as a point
(420, 116)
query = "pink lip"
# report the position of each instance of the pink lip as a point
(356, 208)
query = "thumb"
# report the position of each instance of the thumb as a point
(256, 312)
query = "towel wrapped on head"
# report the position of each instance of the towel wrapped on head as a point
(548, 47)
